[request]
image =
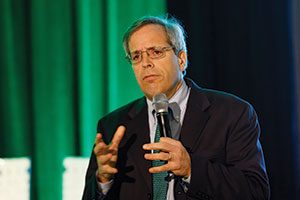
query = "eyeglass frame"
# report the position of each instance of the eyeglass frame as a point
(164, 50)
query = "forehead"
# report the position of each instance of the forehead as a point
(148, 36)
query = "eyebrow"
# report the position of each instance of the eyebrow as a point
(136, 51)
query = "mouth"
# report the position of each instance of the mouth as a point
(150, 77)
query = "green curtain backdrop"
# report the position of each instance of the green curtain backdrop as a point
(62, 67)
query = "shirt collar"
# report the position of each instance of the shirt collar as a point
(178, 97)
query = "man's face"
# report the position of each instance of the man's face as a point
(160, 75)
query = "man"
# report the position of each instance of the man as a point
(214, 152)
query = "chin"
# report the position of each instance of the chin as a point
(151, 93)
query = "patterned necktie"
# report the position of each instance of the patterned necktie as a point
(160, 185)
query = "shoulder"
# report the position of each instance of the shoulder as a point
(120, 114)
(226, 109)
(220, 98)
(219, 101)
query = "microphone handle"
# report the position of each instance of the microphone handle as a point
(165, 131)
(164, 125)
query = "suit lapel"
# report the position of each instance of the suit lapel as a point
(195, 117)
(137, 130)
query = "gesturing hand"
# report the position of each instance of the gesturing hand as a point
(107, 155)
(179, 161)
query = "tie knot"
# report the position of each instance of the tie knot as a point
(174, 111)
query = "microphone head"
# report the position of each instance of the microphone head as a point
(160, 103)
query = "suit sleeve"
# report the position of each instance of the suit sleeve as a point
(91, 191)
(242, 175)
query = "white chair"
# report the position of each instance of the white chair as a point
(74, 177)
(15, 178)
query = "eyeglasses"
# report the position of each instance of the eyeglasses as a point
(153, 52)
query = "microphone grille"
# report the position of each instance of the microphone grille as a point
(160, 103)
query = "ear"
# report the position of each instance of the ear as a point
(182, 60)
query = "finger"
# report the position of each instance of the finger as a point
(158, 169)
(98, 138)
(162, 146)
(101, 149)
(118, 137)
(169, 140)
(104, 177)
(107, 169)
(105, 159)
(157, 156)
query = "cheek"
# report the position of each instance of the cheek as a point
(138, 76)
(174, 71)
(136, 72)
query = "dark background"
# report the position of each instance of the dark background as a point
(247, 48)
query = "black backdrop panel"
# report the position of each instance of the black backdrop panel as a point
(245, 48)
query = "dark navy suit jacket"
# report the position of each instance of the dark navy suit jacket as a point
(221, 133)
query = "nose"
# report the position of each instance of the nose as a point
(146, 60)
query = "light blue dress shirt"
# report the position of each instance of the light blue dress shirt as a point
(181, 98)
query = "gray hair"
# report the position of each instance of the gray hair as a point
(174, 30)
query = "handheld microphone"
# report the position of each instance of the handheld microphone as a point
(161, 105)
